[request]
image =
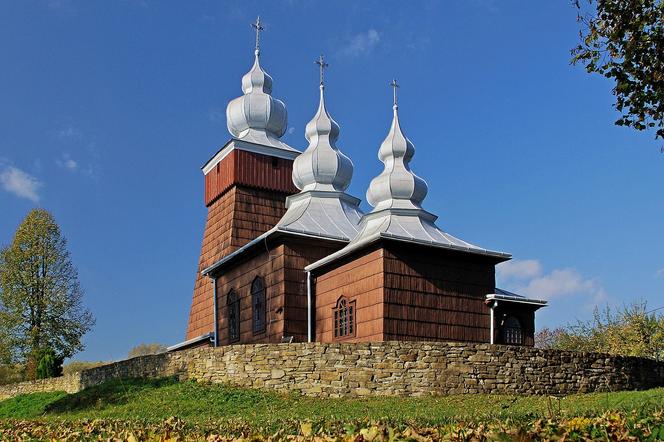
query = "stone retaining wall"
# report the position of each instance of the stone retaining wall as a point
(382, 368)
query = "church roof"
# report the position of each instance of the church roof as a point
(257, 117)
(322, 173)
(396, 195)
(256, 120)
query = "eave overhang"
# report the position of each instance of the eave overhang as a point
(537, 303)
(280, 151)
(260, 241)
(498, 257)
(202, 338)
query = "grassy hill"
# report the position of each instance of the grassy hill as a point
(132, 405)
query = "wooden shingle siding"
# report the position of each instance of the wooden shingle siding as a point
(281, 264)
(241, 206)
(240, 167)
(269, 266)
(433, 294)
(299, 254)
(359, 279)
(408, 292)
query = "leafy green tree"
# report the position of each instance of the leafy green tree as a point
(146, 349)
(49, 365)
(623, 40)
(41, 305)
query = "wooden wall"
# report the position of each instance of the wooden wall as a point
(408, 292)
(269, 265)
(436, 294)
(281, 263)
(360, 279)
(255, 170)
(233, 220)
(299, 254)
(245, 195)
(524, 313)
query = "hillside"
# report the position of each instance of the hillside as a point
(148, 408)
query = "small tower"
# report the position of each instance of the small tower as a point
(246, 183)
(322, 173)
(403, 277)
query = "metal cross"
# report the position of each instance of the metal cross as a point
(322, 65)
(394, 85)
(258, 27)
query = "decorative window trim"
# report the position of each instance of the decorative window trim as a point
(258, 306)
(344, 315)
(233, 316)
(512, 331)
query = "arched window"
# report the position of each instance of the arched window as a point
(344, 318)
(258, 305)
(233, 308)
(512, 332)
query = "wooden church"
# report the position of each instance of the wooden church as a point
(289, 256)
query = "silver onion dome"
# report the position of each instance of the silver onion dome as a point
(397, 186)
(322, 166)
(256, 112)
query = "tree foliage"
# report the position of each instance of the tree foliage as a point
(49, 365)
(146, 349)
(41, 306)
(623, 40)
(630, 331)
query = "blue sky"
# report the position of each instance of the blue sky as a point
(108, 110)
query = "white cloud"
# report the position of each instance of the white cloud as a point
(659, 273)
(67, 162)
(19, 183)
(361, 44)
(527, 278)
(527, 268)
(291, 130)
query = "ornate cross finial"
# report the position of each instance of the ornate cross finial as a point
(394, 85)
(322, 65)
(258, 26)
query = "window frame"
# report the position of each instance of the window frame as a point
(344, 319)
(258, 306)
(512, 334)
(233, 309)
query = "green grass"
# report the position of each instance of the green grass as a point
(156, 400)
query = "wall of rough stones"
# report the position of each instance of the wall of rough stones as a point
(382, 368)
(69, 383)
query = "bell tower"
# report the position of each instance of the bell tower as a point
(246, 183)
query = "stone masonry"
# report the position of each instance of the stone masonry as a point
(381, 368)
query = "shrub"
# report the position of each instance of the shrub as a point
(76, 366)
(10, 374)
(46, 364)
(146, 349)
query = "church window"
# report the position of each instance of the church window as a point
(512, 332)
(344, 318)
(258, 305)
(233, 306)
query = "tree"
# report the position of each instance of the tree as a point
(631, 331)
(49, 365)
(41, 306)
(623, 40)
(146, 349)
